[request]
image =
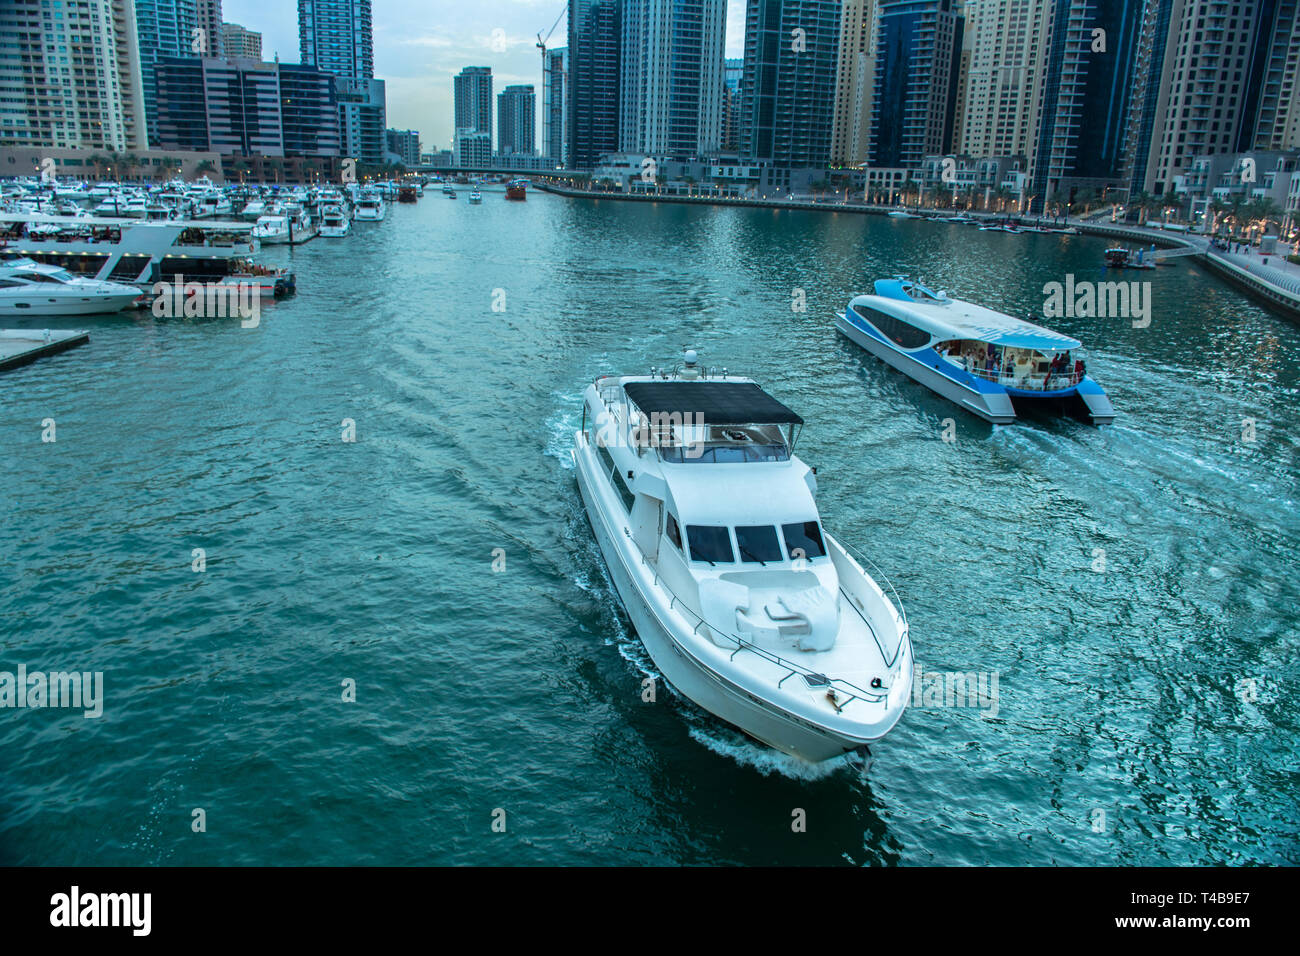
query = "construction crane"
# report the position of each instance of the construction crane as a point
(541, 43)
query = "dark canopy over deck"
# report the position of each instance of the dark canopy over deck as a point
(712, 403)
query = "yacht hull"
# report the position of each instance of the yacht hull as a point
(690, 676)
(78, 305)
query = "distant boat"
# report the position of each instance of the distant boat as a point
(475, 196)
(900, 214)
(517, 189)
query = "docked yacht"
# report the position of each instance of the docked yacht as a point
(29, 288)
(449, 190)
(989, 363)
(254, 210)
(708, 524)
(334, 223)
(271, 230)
(370, 206)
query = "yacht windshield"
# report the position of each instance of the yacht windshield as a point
(709, 543)
(803, 539)
(758, 543)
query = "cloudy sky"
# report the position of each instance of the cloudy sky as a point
(421, 44)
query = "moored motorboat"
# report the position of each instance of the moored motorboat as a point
(747, 606)
(517, 189)
(991, 364)
(29, 288)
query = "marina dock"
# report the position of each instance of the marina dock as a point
(22, 346)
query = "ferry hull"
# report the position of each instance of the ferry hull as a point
(700, 684)
(995, 408)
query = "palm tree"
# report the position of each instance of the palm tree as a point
(1261, 212)
(98, 161)
(276, 165)
(205, 167)
(242, 168)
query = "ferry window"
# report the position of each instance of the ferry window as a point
(758, 544)
(804, 537)
(710, 544)
(673, 531)
(900, 333)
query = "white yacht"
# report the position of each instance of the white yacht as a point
(254, 210)
(270, 230)
(30, 289)
(334, 223)
(475, 196)
(709, 527)
(370, 206)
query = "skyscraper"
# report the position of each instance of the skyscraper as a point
(788, 89)
(165, 28)
(918, 54)
(671, 87)
(1085, 102)
(516, 121)
(336, 37)
(855, 81)
(555, 112)
(473, 99)
(209, 21)
(1192, 85)
(1005, 76)
(1278, 123)
(46, 101)
(594, 44)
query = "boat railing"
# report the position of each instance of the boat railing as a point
(811, 677)
(900, 612)
(1027, 380)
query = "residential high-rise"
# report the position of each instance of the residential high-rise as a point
(671, 85)
(855, 81)
(239, 41)
(593, 96)
(733, 74)
(71, 79)
(1278, 123)
(337, 36)
(1192, 86)
(472, 149)
(209, 21)
(472, 107)
(1086, 97)
(165, 28)
(918, 55)
(516, 120)
(405, 145)
(1005, 77)
(555, 112)
(244, 107)
(788, 90)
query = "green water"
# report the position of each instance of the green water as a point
(1152, 700)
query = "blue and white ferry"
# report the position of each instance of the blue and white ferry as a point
(989, 363)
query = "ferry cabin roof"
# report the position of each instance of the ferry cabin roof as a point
(944, 319)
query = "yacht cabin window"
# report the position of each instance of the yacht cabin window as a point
(673, 531)
(710, 543)
(758, 544)
(804, 539)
